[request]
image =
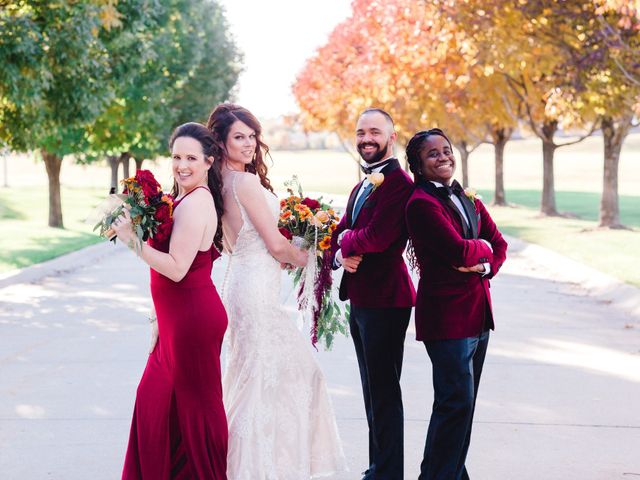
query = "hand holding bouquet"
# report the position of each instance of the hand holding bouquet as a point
(308, 223)
(151, 210)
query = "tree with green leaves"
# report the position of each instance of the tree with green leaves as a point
(184, 65)
(52, 83)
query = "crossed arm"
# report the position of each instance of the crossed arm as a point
(428, 224)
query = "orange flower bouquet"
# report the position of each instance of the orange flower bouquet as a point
(308, 223)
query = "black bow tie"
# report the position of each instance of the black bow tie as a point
(367, 170)
(454, 189)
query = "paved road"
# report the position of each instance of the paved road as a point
(560, 396)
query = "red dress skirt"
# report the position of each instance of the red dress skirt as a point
(179, 427)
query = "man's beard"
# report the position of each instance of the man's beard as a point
(377, 156)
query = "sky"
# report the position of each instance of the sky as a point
(276, 37)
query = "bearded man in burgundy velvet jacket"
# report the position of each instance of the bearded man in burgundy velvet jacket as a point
(369, 242)
(458, 249)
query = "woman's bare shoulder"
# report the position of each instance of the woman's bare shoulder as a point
(197, 200)
(247, 183)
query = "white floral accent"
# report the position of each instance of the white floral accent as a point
(376, 178)
(472, 194)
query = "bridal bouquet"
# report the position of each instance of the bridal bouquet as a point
(308, 223)
(151, 210)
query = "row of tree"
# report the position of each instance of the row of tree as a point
(108, 78)
(481, 69)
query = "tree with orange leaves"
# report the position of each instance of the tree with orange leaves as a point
(407, 58)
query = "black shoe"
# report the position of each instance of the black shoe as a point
(368, 473)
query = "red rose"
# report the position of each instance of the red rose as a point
(163, 213)
(311, 203)
(163, 232)
(146, 180)
(286, 233)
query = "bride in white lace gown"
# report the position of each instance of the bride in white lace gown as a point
(281, 422)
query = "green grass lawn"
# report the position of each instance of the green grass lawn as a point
(614, 252)
(26, 239)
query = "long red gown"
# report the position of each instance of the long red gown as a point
(179, 426)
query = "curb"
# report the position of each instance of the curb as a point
(59, 265)
(592, 282)
(602, 287)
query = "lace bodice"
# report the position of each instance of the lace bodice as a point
(249, 241)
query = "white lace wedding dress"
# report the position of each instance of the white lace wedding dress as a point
(281, 422)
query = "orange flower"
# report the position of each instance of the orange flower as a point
(305, 214)
(332, 227)
(325, 242)
(283, 203)
(285, 215)
(169, 201)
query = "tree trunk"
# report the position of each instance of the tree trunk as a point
(113, 162)
(548, 201)
(500, 138)
(124, 158)
(613, 138)
(464, 162)
(53, 163)
(139, 163)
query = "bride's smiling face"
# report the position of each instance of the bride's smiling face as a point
(240, 145)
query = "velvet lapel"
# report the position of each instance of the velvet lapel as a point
(390, 167)
(442, 195)
(470, 208)
(351, 202)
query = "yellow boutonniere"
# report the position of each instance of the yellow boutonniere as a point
(472, 194)
(376, 179)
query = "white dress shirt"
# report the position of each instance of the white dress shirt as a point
(456, 201)
(337, 261)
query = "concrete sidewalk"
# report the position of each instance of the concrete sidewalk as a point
(559, 396)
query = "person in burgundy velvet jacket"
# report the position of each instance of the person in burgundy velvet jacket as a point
(457, 248)
(369, 242)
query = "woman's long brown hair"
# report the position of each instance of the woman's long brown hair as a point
(220, 121)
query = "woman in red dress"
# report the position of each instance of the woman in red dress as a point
(179, 427)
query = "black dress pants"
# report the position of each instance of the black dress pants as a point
(457, 367)
(378, 336)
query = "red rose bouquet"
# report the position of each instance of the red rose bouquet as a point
(308, 223)
(151, 210)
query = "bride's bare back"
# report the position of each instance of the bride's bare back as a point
(232, 217)
(241, 188)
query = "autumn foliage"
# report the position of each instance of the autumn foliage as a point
(479, 69)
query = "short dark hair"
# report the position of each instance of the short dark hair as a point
(380, 111)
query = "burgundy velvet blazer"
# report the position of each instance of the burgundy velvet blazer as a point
(451, 304)
(380, 234)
